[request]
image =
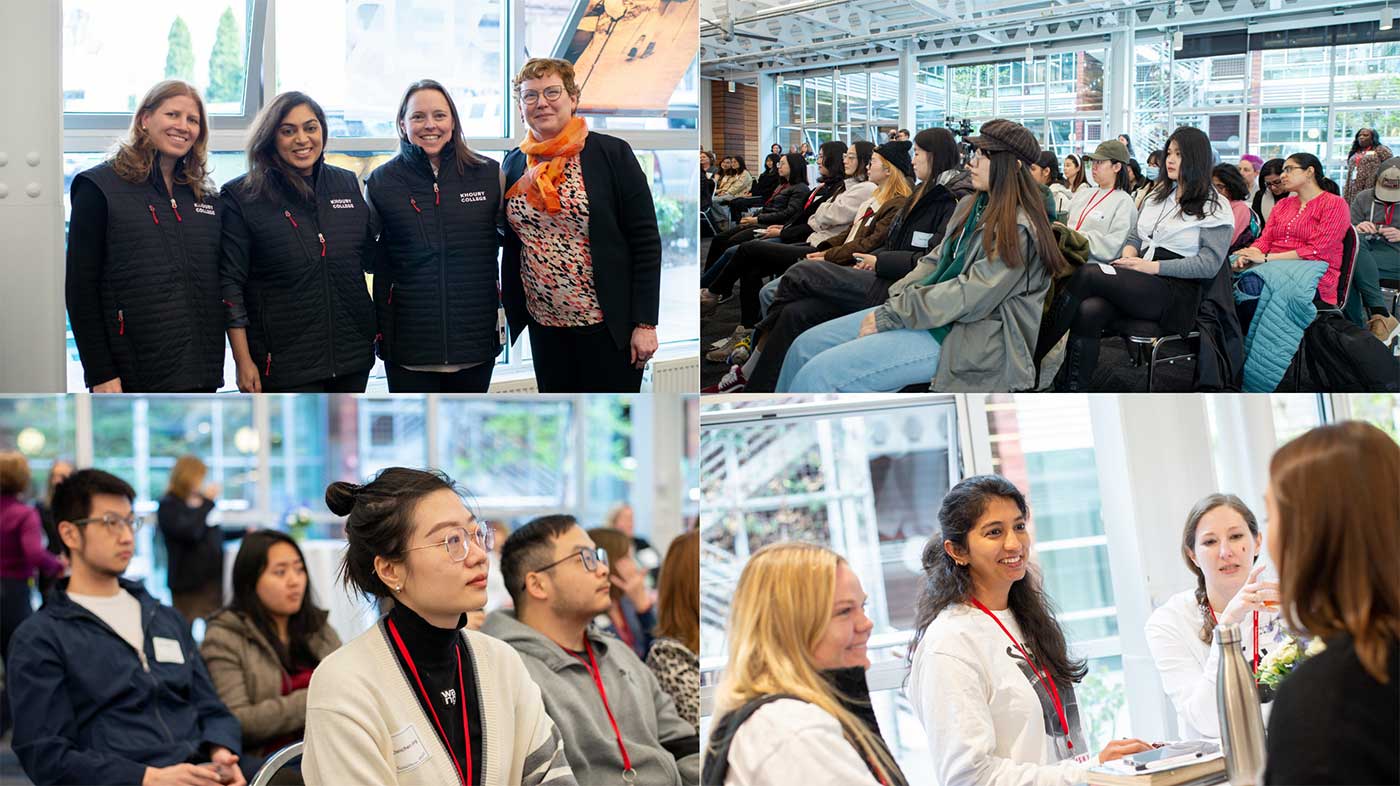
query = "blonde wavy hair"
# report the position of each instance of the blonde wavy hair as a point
(135, 154)
(896, 185)
(780, 610)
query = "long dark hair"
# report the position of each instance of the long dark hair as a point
(942, 151)
(263, 159)
(1128, 143)
(946, 584)
(1193, 173)
(379, 520)
(248, 568)
(1309, 161)
(1012, 191)
(1079, 177)
(1137, 173)
(1356, 140)
(1188, 545)
(739, 165)
(797, 169)
(864, 151)
(772, 158)
(1230, 177)
(830, 157)
(460, 150)
(1048, 160)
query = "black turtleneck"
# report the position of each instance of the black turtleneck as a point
(434, 652)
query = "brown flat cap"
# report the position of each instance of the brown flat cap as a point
(998, 135)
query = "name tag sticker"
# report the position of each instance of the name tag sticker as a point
(922, 239)
(408, 749)
(168, 650)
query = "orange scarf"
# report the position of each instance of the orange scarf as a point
(545, 165)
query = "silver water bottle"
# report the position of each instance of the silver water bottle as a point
(1241, 719)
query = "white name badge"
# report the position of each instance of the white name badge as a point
(168, 650)
(922, 239)
(408, 749)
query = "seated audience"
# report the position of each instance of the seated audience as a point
(1377, 222)
(787, 200)
(1046, 171)
(1230, 185)
(263, 647)
(632, 615)
(969, 313)
(1271, 174)
(617, 722)
(1074, 173)
(1308, 225)
(1249, 167)
(112, 687)
(1104, 214)
(675, 651)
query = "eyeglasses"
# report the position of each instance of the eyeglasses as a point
(115, 523)
(532, 97)
(1290, 168)
(592, 558)
(457, 542)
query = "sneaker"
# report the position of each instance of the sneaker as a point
(740, 353)
(709, 301)
(1384, 327)
(731, 382)
(721, 355)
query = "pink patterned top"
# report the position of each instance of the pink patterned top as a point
(556, 265)
(1314, 230)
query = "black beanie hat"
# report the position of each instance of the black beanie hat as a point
(897, 153)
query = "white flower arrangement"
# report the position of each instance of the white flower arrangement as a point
(298, 521)
(1280, 663)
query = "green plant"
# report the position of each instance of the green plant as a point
(668, 215)
(179, 56)
(226, 61)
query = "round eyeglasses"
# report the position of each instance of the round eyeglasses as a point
(458, 539)
(114, 522)
(550, 94)
(592, 558)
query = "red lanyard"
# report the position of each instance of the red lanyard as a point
(1092, 204)
(628, 774)
(812, 196)
(1389, 213)
(1045, 677)
(1256, 634)
(461, 698)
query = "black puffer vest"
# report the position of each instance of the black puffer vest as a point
(435, 287)
(310, 317)
(160, 284)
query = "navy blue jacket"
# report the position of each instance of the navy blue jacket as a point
(86, 711)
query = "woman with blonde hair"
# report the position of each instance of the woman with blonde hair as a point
(793, 706)
(1334, 534)
(142, 284)
(195, 548)
(675, 651)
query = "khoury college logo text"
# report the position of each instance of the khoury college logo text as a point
(200, 207)
(474, 196)
(343, 204)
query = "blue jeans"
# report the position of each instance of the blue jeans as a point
(767, 294)
(712, 272)
(830, 358)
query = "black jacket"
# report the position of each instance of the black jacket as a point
(929, 216)
(623, 240)
(142, 283)
(196, 550)
(303, 301)
(765, 183)
(92, 714)
(797, 228)
(783, 204)
(435, 287)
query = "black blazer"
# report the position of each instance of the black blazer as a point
(623, 239)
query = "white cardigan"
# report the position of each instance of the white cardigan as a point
(834, 216)
(364, 723)
(1188, 665)
(791, 741)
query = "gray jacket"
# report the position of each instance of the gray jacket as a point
(646, 715)
(994, 311)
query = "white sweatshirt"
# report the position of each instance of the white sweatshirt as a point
(833, 217)
(1107, 225)
(791, 741)
(989, 720)
(1188, 665)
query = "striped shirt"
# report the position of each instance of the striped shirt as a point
(1314, 231)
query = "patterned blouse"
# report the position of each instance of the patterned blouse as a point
(556, 265)
(678, 671)
(1362, 169)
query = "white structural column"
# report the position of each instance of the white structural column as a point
(908, 70)
(1153, 455)
(1118, 83)
(658, 443)
(767, 113)
(31, 198)
(707, 132)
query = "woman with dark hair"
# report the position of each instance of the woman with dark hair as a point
(1229, 183)
(1074, 173)
(1221, 545)
(1310, 225)
(418, 699)
(763, 185)
(1271, 191)
(435, 288)
(142, 284)
(1046, 171)
(775, 149)
(1178, 243)
(1364, 162)
(582, 265)
(298, 238)
(735, 182)
(1127, 143)
(262, 648)
(991, 677)
(1104, 214)
(1334, 534)
(813, 291)
(789, 198)
(968, 313)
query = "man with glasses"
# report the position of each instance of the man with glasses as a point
(106, 683)
(1377, 221)
(618, 724)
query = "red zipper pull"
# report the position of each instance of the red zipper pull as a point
(288, 214)
(435, 192)
(152, 208)
(414, 202)
(322, 238)
(121, 323)
(268, 371)
(176, 208)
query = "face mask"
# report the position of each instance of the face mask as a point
(1150, 173)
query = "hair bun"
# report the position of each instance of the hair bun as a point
(340, 497)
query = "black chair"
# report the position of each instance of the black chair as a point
(1144, 336)
(1350, 243)
(276, 762)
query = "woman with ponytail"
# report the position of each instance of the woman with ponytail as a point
(419, 699)
(793, 706)
(1221, 546)
(991, 677)
(1310, 224)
